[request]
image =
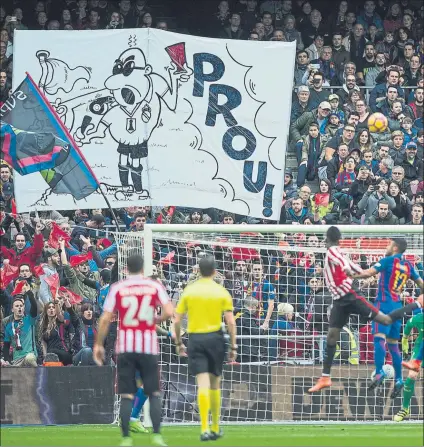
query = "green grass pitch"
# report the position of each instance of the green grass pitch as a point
(234, 435)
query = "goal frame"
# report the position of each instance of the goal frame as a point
(149, 229)
(154, 231)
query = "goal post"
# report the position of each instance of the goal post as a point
(281, 348)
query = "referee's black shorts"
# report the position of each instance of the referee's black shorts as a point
(349, 304)
(146, 364)
(206, 353)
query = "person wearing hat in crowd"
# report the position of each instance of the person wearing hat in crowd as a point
(412, 165)
(333, 125)
(301, 126)
(334, 101)
(19, 331)
(82, 281)
(300, 103)
(290, 190)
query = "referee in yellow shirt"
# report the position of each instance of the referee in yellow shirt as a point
(204, 302)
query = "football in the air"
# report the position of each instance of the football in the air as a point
(388, 371)
(377, 122)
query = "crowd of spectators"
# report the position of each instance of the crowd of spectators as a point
(353, 59)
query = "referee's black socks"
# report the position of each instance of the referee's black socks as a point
(125, 413)
(155, 412)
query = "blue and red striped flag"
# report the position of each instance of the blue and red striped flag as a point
(33, 139)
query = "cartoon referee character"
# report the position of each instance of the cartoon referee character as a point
(138, 92)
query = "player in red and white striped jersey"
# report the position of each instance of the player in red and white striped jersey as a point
(335, 267)
(337, 272)
(136, 299)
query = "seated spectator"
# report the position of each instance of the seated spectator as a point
(344, 180)
(385, 167)
(358, 188)
(334, 101)
(291, 34)
(302, 63)
(366, 63)
(290, 189)
(417, 104)
(376, 193)
(301, 103)
(326, 64)
(403, 204)
(369, 162)
(374, 71)
(349, 69)
(315, 48)
(364, 113)
(382, 215)
(349, 105)
(369, 16)
(296, 212)
(234, 29)
(312, 28)
(340, 55)
(413, 72)
(363, 140)
(318, 93)
(417, 214)
(409, 132)
(393, 19)
(379, 92)
(308, 152)
(19, 333)
(412, 165)
(268, 23)
(355, 43)
(115, 21)
(301, 126)
(333, 125)
(324, 205)
(345, 138)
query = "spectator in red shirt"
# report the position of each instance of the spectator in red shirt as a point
(22, 254)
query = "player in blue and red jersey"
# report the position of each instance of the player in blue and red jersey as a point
(394, 273)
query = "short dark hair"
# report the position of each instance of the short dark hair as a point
(400, 243)
(135, 263)
(20, 234)
(333, 235)
(383, 202)
(207, 266)
(24, 264)
(301, 52)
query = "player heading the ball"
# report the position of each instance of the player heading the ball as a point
(205, 302)
(136, 299)
(338, 270)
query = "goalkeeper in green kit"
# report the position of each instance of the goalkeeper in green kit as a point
(416, 322)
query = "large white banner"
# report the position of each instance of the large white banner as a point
(165, 118)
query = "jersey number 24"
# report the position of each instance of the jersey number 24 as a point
(138, 311)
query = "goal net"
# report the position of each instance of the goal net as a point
(275, 276)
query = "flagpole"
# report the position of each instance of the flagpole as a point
(75, 146)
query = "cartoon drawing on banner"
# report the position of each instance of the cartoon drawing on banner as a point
(57, 75)
(164, 118)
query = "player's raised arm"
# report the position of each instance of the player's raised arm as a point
(363, 274)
